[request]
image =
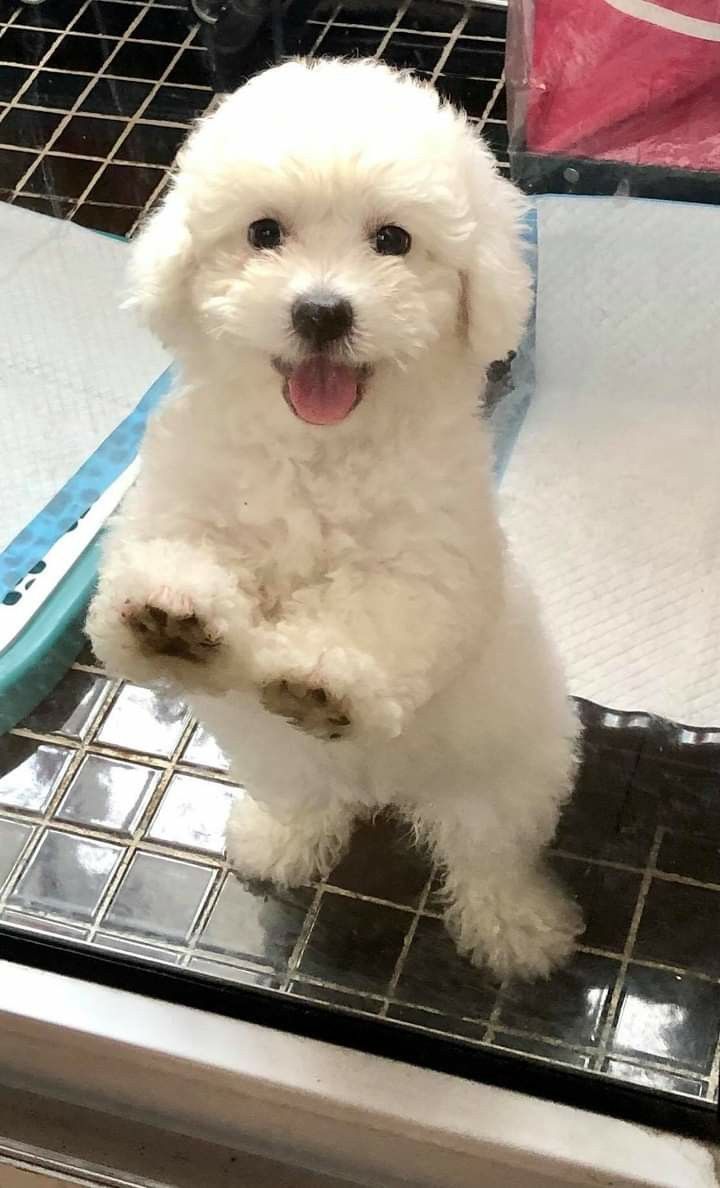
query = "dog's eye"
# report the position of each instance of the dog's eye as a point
(265, 234)
(392, 241)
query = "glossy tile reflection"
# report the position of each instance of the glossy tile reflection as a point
(29, 774)
(13, 837)
(66, 877)
(159, 897)
(255, 923)
(72, 707)
(143, 720)
(108, 794)
(674, 1018)
(193, 814)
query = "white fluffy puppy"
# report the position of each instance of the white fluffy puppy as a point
(312, 551)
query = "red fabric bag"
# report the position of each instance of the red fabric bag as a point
(636, 81)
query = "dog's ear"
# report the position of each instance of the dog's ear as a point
(161, 268)
(495, 291)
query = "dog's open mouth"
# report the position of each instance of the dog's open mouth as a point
(320, 391)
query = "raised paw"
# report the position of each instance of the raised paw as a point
(310, 709)
(167, 624)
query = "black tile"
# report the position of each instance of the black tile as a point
(355, 943)
(411, 51)
(12, 167)
(65, 176)
(11, 80)
(680, 926)
(72, 707)
(530, 1046)
(254, 922)
(55, 15)
(496, 135)
(116, 96)
(440, 1021)
(25, 46)
(654, 1078)
(193, 68)
(571, 1006)
(163, 24)
(433, 975)
(429, 17)
(126, 185)
(607, 898)
(29, 772)
(50, 88)
(673, 1018)
(686, 796)
(136, 60)
(472, 59)
(115, 220)
(343, 41)
(485, 22)
(88, 137)
(382, 862)
(28, 128)
(688, 854)
(335, 997)
(50, 205)
(607, 817)
(79, 53)
(472, 95)
(154, 144)
(106, 17)
(182, 104)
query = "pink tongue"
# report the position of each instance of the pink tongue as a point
(321, 392)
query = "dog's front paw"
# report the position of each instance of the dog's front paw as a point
(167, 623)
(310, 708)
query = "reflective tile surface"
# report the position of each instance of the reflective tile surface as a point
(113, 802)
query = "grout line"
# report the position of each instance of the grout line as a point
(631, 939)
(485, 117)
(392, 27)
(407, 942)
(301, 943)
(448, 47)
(99, 36)
(148, 204)
(712, 1091)
(324, 30)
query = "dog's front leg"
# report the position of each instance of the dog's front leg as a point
(361, 654)
(167, 610)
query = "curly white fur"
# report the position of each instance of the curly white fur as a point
(337, 601)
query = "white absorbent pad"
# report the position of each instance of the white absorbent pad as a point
(611, 495)
(73, 364)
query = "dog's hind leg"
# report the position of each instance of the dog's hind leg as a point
(292, 849)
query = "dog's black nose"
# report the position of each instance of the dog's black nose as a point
(322, 318)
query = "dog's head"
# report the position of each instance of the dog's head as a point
(331, 222)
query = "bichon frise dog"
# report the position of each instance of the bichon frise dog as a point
(312, 551)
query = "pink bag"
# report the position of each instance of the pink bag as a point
(634, 81)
